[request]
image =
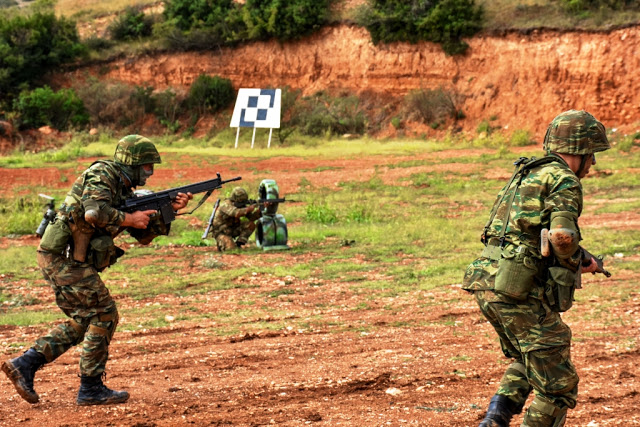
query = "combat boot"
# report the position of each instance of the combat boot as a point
(94, 392)
(22, 370)
(500, 411)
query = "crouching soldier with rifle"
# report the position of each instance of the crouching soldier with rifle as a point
(75, 247)
(233, 220)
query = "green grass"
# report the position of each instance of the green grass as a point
(380, 239)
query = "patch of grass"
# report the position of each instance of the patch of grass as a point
(19, 262)
(29, 318)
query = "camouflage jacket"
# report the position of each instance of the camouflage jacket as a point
(229, 217)
(549, 188)
(103, 181)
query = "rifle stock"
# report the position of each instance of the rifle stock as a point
(213, 214)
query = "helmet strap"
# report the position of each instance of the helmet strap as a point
(129, 172)
(583, 163)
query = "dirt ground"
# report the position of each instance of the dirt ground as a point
(422, 358)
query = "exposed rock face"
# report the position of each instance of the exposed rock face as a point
(522, 80)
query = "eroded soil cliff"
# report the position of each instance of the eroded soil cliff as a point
(515, 80)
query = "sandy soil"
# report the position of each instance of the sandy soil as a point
(422, 358)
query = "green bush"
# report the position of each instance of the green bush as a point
(431, 105)
(579, 6)
(321, 213)
(210, 94)
(521, 138)
(4, 4)
(322, 114)
(32, 45)
(130, 25)
(441, 21)
(168, 106)
(288, 112)
(111, 104)
(284, 20)
(188, 14)
(44, 107)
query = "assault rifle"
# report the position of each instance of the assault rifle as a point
(161, 201)
(545, 250)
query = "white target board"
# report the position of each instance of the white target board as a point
(257, 108)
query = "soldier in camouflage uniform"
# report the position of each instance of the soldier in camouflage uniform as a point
(74, 248)
(521, 292)
(235, 220)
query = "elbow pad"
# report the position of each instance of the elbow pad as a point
(564, 234)
(94, 213)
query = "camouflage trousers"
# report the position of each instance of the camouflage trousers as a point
(84, 298)
(540, 343)
(230, 238)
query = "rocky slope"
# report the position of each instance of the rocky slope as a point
(518, 81)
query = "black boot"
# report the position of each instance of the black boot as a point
(21, 372)
(500, 411)
(94, 392)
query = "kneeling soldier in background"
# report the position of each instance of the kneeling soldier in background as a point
(235, 220)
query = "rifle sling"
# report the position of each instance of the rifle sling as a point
(204, 198)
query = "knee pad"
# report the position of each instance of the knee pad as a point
(544, 412)
(104, 325)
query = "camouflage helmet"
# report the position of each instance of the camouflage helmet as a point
(239, 195)
(136, 150)
(576, 132)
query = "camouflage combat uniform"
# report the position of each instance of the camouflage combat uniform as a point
(524, 313)
(80, 292)
(233, 224)
(73, 274)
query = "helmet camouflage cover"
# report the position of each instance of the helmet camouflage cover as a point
(136, 150)
(239, 195)
(576, 132)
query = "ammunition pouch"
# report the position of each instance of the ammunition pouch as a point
(103, 252)
(56, 236)
(560, 288)
(517, 272)
(480, 275)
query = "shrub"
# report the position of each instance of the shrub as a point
(321, 114)
(130, 25)
(579, 6)
(168, 106)
(440, 21)
(210, 94)
(32, 45)
(431, 105)
(520, 138)
(111, 104)
(44, 107)
(284, 20)
(321, 213)
(187, 14)
(288, 112)
(4, 4)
